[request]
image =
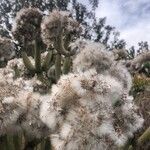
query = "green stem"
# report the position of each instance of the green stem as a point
(51, 74)
(17, 139)
(47, 61)
(130, 147)
(66, 65)
(37, 57)
(60, 46)
(27, 62)
(3, 142)
(30, 145)
(58, 66)
(144, 137)
(10, 142)
(48, 144)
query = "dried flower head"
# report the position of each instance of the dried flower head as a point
(27, 24)
(7, 49)
(58, 23)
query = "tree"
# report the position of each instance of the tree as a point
(94, 29)
(9, 8)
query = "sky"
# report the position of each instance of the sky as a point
(130, 17)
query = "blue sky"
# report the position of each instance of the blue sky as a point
(130, 17)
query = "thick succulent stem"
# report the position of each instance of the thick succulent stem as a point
(27, 62)
(37, 57)
(48, 144)
(130, 147)
(60, 46)
(66, 65)
(10, 142)
(51, 74)
(47, 61)
(3, 142)
(144, 137)
(32, 144)
(58, 66)
(17, 139)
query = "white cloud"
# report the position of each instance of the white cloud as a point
(137, 33)
(111, 11)
(130, 17)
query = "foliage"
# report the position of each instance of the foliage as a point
(139, 83)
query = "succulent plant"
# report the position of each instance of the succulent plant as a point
(89, 108)
(27, 25)
(58, 29)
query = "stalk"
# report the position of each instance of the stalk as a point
(47, 61)
(66, 65)
(58, 66)
(27, 62)
(37, 57)
(144, 137)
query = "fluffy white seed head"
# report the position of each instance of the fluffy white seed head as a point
(93, 55)
(56, 23)
(87, 109)
(90, 110)
(19, 111)
(27, 24)
(120, 72)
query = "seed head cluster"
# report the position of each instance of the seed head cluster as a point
(27, 24)
(91, 108)
(87, 109)
(58, 23)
